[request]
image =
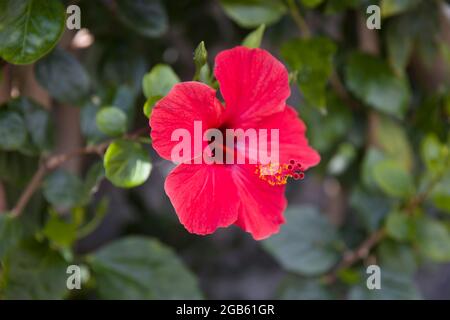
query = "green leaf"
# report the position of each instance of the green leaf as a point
(325, 131)
(156, 84)
(335, 6)
(311, 3)
(252, 13)
(140, 268)
(394, 286)
(99, 213)
(371, 80)
(394, 7)
(400, 226)
(400, 43)
(313, 61)
(17, 169)
(10, 233)
(147, 17)
(64, 190)
(13, 132)
(410, 31)
(63, 77)
(297, 288)
(434, 153)
(441, 194)
(306, 244)
(392, 139)
(372, 157)
(127, 164)
(349, 276)
(393, 179)
(397, 257)
(29, 29)
(122, 69)
(254, 38)
(370, 208)
(424, 20)
(111, 121)
(88, 123)
(33, 272)
(94, 176)
(59, 231)
(38, 122)
(433, 239)
(149, 104)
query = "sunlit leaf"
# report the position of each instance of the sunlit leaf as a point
(127, 164)
(29, 29)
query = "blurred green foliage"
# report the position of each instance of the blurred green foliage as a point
(380, 120)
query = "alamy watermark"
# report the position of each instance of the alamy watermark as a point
(228, 146)
(373, 281)
(74, 279)
(374, 19)
(73, 21)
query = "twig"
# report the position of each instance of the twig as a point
(298, 19)
(29, 191)
(422, 196)
(352, 257)
(342, 93)
(55, 161)
(47, 166)
(3, 203)
(335, 81)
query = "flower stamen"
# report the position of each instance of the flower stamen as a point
(278, 174)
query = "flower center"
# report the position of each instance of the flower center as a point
(278, 174)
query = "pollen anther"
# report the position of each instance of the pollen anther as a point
(278, 174)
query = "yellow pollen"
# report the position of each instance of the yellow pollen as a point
(273, 173)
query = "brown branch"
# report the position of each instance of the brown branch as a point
(5, 92)
(3, 202)
(29, 191)
(335, 81)
(47, 166)
(362, 252)
(368, 42)
(421, 197)
(342, 92)
(298, 19)
(353, 256)
(55, 161)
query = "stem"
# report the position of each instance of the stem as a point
(298, 19)
(421, 197)
(91, 225)
(55, 161)
(335, 81)
(3, 203)
(352, 257)
(29, 191)
(342, 93)
(368, 42)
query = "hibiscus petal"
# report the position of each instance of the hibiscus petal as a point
(253, 83)
(262, 205)
(185, 103)
(204, 196)
(293, 143)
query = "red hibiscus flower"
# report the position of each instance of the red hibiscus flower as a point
(255, 87)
